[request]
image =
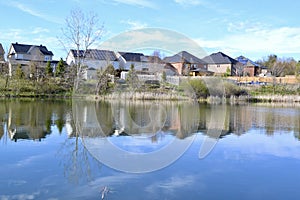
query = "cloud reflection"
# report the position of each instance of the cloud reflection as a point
(170, 185)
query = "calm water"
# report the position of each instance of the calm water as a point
(148, 150)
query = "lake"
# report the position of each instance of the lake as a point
(148, 150)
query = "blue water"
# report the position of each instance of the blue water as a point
(255, 164)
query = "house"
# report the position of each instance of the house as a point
(170, 70)
(26, 55)
(185, 63)
(220, 63)
(249, 67)
(1, 53)
(127, 59)
(93, 59)
(143, 64)
(3, 64)
(151, 65)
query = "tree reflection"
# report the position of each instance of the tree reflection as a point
(36, 119)
(27, 119)
(147, 118)
(106, 118)
(77, 163)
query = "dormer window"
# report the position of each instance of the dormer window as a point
(47, 58)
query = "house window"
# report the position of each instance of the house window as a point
(19, 56)
(47, 58)
(218, 65)
(145, 69)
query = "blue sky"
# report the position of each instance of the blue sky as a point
(251, 28)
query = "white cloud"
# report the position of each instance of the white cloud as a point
(189, 2)
(31, 11)
(134, 24)
(152, 39)
(256, 39)
(141, 3)
(34, 36)
(38, 30)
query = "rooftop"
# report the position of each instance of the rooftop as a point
(219, 58)
(183, 56)
(26, 49)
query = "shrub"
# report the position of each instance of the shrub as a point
(194, 88)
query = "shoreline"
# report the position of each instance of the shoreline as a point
(210, 100)
(160, 96)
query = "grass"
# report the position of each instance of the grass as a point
(53, 87)
(275, 90)
(197, 89)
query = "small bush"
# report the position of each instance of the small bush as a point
(233, 90)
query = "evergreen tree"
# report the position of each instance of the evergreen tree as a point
(132, 77)
(60, 68)
(49, 69)
(164, 76)
(110, 69)
(19, 74)
(297, 70)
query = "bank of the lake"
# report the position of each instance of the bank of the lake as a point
(43, 88)
(194, 89)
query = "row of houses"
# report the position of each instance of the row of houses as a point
(180, 64)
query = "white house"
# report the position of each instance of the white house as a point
(127, 59)
(93, 59)
(142, 63)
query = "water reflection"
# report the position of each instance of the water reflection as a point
(32, 120)
(43, 139)
(104, 119)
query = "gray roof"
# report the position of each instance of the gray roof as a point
(25, 48)
(184, 56)
(129, 56)
(1, 49)
(219, 58)
(96, 54)
(151, 59)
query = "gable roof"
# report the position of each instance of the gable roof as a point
(1, 49)
(219, 58)
(129, 56)
(96, 54)
(183, 56)
(247, 62)
(151, 59)
(26, 49)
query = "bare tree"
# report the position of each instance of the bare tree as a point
(81, 31)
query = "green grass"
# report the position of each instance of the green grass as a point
(52, 87)
(276, 90)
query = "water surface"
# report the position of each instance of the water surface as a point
(55, 150)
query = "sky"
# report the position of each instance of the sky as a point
(255, 28)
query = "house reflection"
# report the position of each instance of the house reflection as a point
(182, 119)
(34, 120)
(139, 118)
(30, 119)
